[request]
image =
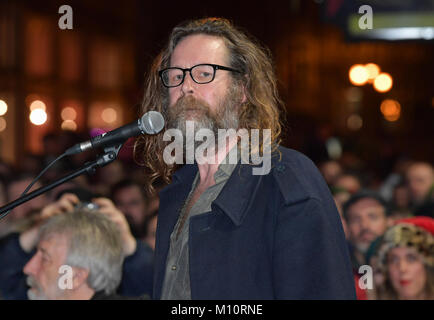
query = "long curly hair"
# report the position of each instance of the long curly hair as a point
(261, 110)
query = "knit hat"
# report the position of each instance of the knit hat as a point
(416, 232)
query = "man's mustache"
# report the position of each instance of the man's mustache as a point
(31, 282)
(190, 103)
(367, 232)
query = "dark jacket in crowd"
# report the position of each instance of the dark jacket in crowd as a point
(274, 236)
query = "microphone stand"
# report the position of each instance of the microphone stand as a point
(110, 154)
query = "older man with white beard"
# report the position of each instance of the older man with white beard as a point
(79, 257)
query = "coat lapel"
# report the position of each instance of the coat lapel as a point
(235, 197)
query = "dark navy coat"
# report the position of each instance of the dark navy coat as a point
(275, 236)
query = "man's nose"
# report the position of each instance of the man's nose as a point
(187, 87)
(365, 224)
(31, 268)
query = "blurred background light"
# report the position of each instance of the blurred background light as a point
(334, 148)
(383, 82)
(358, 75)
(37, 104)
(68, 113)
(69, 125)
(3, 107)
(354, 122)
(109, 115)
(2, 124)
(373, 71)
(38, 116)
(354, 94)
(391, 109)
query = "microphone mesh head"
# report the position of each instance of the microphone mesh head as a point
(152, 122)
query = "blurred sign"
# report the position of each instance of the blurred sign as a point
(391, 20)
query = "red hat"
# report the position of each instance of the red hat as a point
(416, 232)
(423, 222)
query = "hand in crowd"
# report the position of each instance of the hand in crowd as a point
(66, 203)
(107, 207)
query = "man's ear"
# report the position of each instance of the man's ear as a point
(244, 99)
(80, 277)
(244, 90)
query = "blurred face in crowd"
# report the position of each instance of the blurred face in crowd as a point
(15, 189)
(401, 196)
(43, 269)
(330, 170)
(131, 202)
(420, 177)
(407, 273)
(348, 182)
(366, 221)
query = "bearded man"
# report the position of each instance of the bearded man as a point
(224, 230)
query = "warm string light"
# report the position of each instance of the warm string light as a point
(3, 124)
(3, 108)
(360, 74)
(38, 115)
(391, 110)
(382, 82)
(68, 116)
(69, 125)
(373, 71)
(109, 115)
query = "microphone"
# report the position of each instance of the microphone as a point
(151, 122)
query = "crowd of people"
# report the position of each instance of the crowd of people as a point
(102, 226)
(223, 233)
(390, 229)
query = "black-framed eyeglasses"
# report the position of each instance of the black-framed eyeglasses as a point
(201, 73)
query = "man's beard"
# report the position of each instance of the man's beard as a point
(363, 246)
(34, 292)
(188, 108)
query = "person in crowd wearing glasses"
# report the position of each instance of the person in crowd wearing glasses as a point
(225, 231)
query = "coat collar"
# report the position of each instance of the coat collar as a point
(241, 187)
